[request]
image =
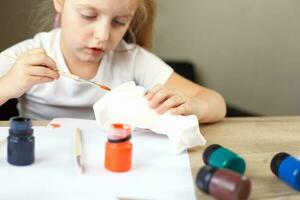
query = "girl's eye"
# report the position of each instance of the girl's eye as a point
(88, 17)
(119, 23)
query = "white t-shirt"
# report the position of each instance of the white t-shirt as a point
(66, 97)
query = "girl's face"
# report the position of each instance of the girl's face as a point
(92, 27)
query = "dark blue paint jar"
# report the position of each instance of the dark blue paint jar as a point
(287, 168)
(20, 146)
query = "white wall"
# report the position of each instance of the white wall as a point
(249, 50)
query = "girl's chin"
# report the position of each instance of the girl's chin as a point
(89, 58)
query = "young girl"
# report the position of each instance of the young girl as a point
(103, 41)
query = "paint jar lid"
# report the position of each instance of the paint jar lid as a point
(20, 127)
(276, 161)
(208, 151)
(204, 176)
(119, 133)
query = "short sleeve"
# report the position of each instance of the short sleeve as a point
(5, 63)
(150, 70)
(15, 50)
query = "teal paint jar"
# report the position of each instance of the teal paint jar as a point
(217, 156)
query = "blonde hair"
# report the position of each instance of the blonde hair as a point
(140, 30)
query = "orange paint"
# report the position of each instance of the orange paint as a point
(105, 87)
(118, 150)
(55, 125)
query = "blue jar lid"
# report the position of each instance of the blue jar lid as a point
(276, 161)
(20, 126)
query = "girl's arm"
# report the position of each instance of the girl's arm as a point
(5, 91)
(180, 96)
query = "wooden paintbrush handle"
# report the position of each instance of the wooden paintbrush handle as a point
(78, 143)
(72, 76)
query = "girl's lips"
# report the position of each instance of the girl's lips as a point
(94, 51)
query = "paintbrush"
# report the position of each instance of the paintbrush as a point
(79, 150)
(69, 75)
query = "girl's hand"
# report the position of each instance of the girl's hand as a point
(32, 67)
(163, 99)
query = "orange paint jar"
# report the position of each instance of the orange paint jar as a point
(118, 149)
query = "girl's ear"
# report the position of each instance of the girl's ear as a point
(58, 5)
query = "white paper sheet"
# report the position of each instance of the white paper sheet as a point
(156, 174)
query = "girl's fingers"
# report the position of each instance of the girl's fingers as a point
(41, 60)
(43, 72)
(180, 110)
(38, 57)
(31, 52)
(173, 101)
(159, 97)
(153, 91)
(40, 79)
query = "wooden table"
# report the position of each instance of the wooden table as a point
(257, 140)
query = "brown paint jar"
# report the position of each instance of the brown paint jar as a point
(223, 184)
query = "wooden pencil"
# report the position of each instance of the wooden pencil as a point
(79, 150)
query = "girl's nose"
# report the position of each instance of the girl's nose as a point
(102, 30)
